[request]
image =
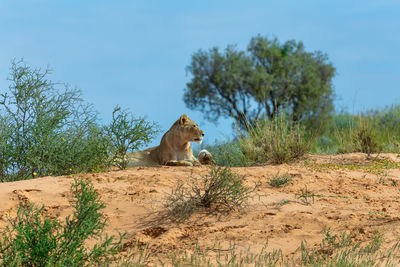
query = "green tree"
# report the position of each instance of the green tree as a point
(265, 80)
(46, 128)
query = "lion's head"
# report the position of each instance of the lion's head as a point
(187, 129)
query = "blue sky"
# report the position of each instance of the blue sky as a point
(134, 53)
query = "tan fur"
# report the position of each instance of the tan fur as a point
(206, 158)
(174, 148)
(141, 158)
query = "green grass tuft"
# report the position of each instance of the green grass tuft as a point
(280, 180)
(35, 239)
(277, 141)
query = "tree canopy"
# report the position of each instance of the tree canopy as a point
(263, 81)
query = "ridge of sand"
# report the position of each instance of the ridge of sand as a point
(348, 200)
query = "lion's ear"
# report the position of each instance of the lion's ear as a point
(184, 118)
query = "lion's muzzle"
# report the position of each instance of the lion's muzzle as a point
(199, 139)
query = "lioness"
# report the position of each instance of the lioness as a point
(174, 149)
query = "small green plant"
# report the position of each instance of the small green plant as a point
(278, 141)
(280, 180)
(393, 182)
(305, 196)
(35, 239)
(128, 133)
(137, 255)
(375, 243)
(280, 203)
(220, 189)
(331, 242)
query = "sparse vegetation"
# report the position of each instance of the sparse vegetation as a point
(388, 181)
(277, 141)
(377, 166)
(359, 136)
(137, 255)
(370, 132)
(280, 140)
(334, 250)
(128, 133)
(35, 239)
(47, 129)
(219, 190)
(280, 180)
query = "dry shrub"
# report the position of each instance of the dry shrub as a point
(278, 141)
(219, 190)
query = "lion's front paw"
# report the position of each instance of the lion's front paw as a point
(196, 163)
(179, 163)
(206, 158)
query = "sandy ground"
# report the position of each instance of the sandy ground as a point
(350, 196)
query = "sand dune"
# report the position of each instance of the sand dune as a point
(352, 194)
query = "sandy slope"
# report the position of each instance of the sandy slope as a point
(357, 200)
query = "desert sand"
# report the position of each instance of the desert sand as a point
(351, 194)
